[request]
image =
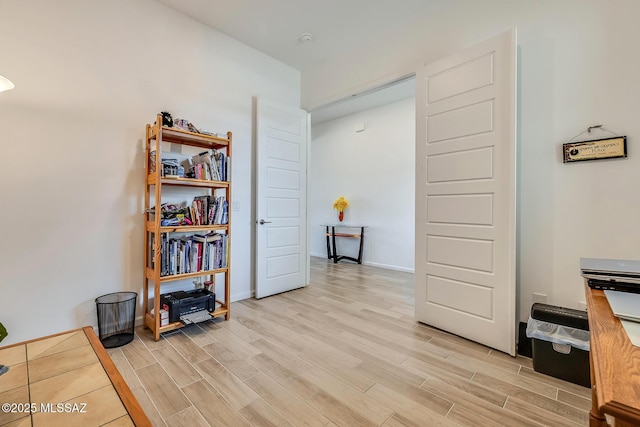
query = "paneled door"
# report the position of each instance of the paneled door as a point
(281, 188)
(465, 193)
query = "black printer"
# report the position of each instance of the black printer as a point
(182, 303)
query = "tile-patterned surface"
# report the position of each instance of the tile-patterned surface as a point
(22, 422)
(59, 381)
(213, 406)
(55, 364)
(13, 355)
(149, 408)
(18, 396)
(94, 408)
(162, 390)
(177, 367)
(68, 385)
(15, 377)
(190, 417)
(56, 344)
(124, 421)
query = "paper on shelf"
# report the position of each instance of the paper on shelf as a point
(198, 316)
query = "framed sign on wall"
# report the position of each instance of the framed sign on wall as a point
(596, 149)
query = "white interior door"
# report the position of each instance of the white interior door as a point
(281, 215)
(465, 193)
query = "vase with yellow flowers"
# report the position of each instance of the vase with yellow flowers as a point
(340, 205)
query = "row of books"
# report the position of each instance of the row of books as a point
(211, 165)
(209, 210)
(191, 254)
(204, 210)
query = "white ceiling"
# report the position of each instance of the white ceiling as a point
(339, 28)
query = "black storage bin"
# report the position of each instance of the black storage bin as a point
(551, 355)
(116, 318)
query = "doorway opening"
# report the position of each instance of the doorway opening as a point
(363, 148)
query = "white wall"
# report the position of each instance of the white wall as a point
(578, 67)
(374, 171)
(89, 75)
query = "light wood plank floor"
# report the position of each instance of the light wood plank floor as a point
(344, 351)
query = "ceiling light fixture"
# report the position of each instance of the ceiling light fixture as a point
(5, 84)
(305, 38)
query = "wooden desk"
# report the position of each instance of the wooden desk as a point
(332, 234)
(615, 366)
(66, 379)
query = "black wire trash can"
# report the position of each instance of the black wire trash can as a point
(116, 318)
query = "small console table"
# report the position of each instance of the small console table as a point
(331, 241)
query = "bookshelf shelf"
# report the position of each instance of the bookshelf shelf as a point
(158, 259)
(184, 137)
(187, 182)
(186, 228)
(150, 320)
(174, 277)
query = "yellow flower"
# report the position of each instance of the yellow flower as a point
(340, 204)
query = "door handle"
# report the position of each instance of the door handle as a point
(262, 222)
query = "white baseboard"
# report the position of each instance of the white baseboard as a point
(241, 296)
(317, 255)
(375, 264)
(389, 267)
(139, 321)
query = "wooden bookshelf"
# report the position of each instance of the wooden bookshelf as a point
(157, 186)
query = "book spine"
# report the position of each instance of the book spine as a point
(225, 213)
(199, 266)
(179, 255)
(164, 255)
(173, 249)
(225, 248)
(187, 258)
(205, 256)
(194, 256)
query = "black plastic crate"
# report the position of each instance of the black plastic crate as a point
(572, 367)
